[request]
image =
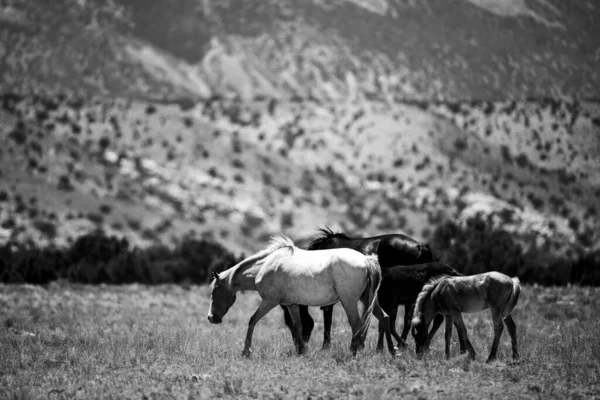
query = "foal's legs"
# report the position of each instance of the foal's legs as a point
(305, 318)
(295, 314)
(327, 319)
(461, 342)
(307, 323)
(392, 312)
(437, 322)
(263, 309)
(384, 327)
(512, 330)
(448, 336)
(462, 332)
(498, 328)
(408, 314)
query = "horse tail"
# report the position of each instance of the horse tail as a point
(514, 297)
(373, 283)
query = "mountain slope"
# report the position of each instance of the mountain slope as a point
(239, 120)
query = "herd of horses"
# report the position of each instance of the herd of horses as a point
(380, 272)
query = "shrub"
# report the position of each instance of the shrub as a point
(96, 258)
(477, 247)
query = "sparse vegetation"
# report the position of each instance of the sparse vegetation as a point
(148, 350)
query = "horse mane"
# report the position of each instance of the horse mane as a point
(277, 242)
(423, 296)
(325, 234)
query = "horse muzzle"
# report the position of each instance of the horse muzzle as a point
(213, 319)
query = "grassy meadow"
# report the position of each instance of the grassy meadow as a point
(148, 342)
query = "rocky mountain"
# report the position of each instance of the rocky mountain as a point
(240, 120)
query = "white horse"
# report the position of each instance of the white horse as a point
(284, 274)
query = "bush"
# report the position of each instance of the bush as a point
(96, 258)
(476, 248)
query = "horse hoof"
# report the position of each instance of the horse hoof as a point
(402, 345)
(246, 353)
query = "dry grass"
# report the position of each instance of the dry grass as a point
(73, 341)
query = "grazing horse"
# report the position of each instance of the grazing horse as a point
(286, 275)
(402, 284)
(452, 296)
(392, 250)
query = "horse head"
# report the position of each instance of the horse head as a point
(423, 314)
(427, 254)
(221, 299)
(419, 332)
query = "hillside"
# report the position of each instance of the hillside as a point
(238, 121)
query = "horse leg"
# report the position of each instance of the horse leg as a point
(408, 314)
(448, 337)
(288, 321)
(462, 331)
(294, 310)
(461, 339)
(384, 327)
(351, 308)
(327, 320)
(437, 322)
(512, 330)
(498, 328)
(307, 323)
(461, 342)
(263, 309)
(380, 337)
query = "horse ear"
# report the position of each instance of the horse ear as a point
(373, 247)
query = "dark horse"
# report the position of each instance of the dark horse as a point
(401, 285)
(392, 250)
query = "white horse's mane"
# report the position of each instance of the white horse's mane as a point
(423, 296)
(277, 242)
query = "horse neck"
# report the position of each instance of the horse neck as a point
(242, 276)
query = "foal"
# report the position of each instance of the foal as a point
(452, 296)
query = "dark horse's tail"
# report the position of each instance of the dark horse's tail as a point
(370, 295)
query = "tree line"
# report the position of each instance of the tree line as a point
(97, 258)
(476, 247)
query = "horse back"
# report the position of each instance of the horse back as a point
(399, 249)
(310, 277)
(477, 292)
(405, 282)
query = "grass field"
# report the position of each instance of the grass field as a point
(75, 341)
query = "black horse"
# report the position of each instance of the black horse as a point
(392, 250)
(401, 285)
